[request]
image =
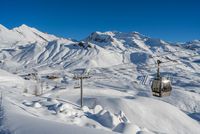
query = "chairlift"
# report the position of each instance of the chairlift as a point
(161, 86)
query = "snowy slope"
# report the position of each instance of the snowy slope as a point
(23, 35)
(135, 114)
(115, 97)
(20, 122)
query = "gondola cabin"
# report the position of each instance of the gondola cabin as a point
(161, 87)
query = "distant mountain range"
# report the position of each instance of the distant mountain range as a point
(26, 46)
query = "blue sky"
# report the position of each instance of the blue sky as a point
(171, 20)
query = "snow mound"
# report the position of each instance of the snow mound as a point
(37, 105)
(97, 109)
(127, 128)
(105, 117)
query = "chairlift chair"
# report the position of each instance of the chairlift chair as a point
(161, 86)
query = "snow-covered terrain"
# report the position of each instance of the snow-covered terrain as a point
(39, 94)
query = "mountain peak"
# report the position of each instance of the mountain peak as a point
(25, 34)
(109, 36)
(23, 27)
(101, 37)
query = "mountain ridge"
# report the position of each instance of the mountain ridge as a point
(100, 49)
(24, 26)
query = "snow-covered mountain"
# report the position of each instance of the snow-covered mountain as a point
(29, 46)
(118, 62)
(23, 35)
